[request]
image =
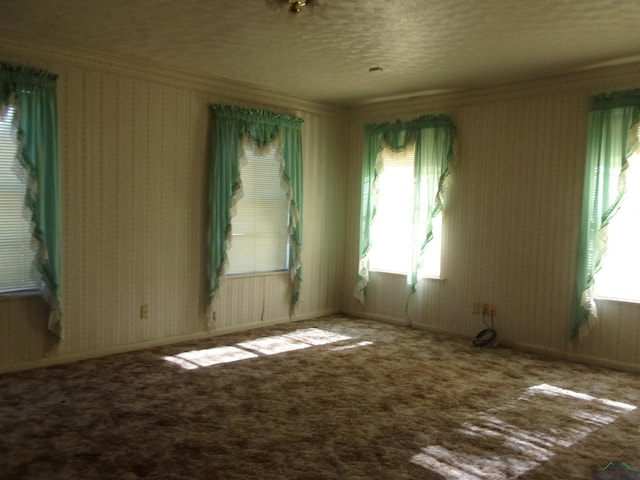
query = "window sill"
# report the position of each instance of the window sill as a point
(232, 276)
(435, 279)
(16, 294)
(618, 300)
(400, 274)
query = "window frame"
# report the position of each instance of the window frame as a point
(231, 123)
(23, 239)
(612, 117)
(271, 152)
(407, 155)
(601, 293)
(435, 137)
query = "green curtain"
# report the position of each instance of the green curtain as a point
(434, 137)
(612, 138)
(231, 126)
(33, 93)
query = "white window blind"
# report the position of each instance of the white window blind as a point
(16, 254)
(391, 230)
(618, 278)
(260, 238)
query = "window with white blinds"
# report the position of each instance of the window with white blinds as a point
(618, 277)
(260, 240)
(391, 230)
(16, 254)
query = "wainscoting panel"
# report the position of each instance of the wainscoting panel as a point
(21, 323)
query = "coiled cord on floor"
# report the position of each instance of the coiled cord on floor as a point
(487, 337)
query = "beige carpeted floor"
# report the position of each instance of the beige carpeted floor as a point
(333, 398)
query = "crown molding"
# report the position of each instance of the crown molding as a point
(55, 57)
(589, 81)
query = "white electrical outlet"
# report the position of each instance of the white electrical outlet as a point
(489, 309)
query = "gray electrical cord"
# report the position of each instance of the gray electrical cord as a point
(487, 337)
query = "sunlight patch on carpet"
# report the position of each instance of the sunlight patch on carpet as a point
(297, 340)
(316, 336)
(210, 356)
(507, 441)
(364, 343)
(273, 345)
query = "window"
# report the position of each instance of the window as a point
(16, 254)
(268, 230)
(392, 227)
(401, 193)
(29, 96)
(612, 137)
(618, 277)
(260, 239)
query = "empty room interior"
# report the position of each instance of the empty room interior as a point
(141, 91)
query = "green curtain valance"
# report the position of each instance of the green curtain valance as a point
(231, 125)
(16, 79)
(609, 100)
(397, 135)
(259, 125)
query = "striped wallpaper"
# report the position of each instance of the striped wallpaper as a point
(511, 219)
(134, 149)
(135, 163)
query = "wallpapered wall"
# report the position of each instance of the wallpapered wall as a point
(134, 174)
(511, 218)
(134, 149)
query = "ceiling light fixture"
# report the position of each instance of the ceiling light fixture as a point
(294, 6)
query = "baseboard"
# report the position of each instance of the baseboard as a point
(572, 357)
(270, 323)
(379, 318)
(440, 331)
(159, 342)
(551, 353)
(547, 352)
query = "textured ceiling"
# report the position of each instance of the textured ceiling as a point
(324, 54)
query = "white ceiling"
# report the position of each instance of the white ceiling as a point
(324, 54)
